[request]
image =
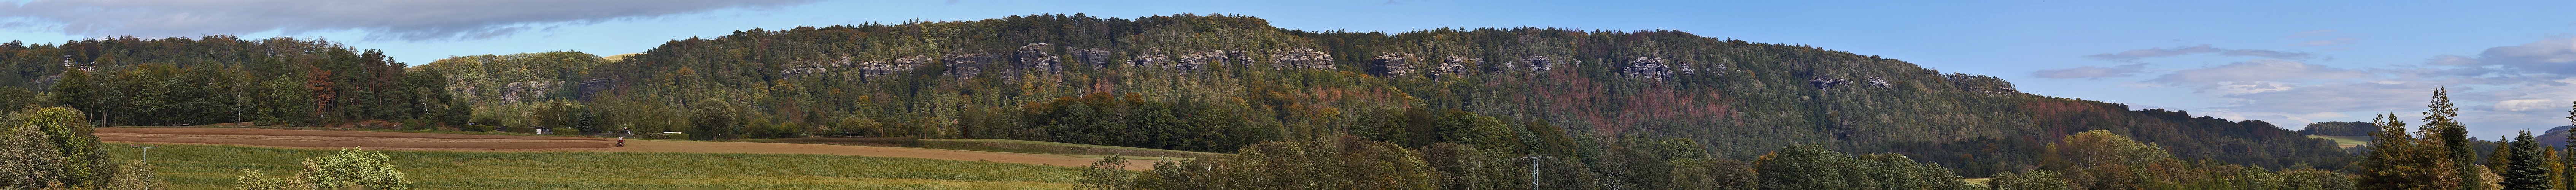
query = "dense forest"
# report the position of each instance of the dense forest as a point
(1651, 109)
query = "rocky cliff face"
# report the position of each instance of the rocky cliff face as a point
(1390, 64)
(1197, 61)
(873, 69)
(1828, 82)
(1038, 57)
(967, 65)
(1538, 63)
(1301, 58)
(1150, 60)
(527, 90)
(1650, 68)
(1095, 57)
(1454, 66)
(816, 66)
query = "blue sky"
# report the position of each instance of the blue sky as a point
(2289, 62)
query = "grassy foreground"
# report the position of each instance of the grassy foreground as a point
(215, 166)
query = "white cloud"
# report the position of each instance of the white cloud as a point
(2337, 97)
(405, 20)
(2266, 53)
(2527, 105)
(2259, 70)
(2247, 87)
(2550, 56)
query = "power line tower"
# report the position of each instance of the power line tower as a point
(1534, 169)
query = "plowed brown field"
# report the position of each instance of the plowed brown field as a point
(467, 142)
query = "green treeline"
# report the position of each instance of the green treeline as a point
(221, 79)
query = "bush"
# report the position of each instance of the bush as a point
(677, 137)
(567, 131)
(354, 168)
(350, 169)
(253, 180)
(474, 128)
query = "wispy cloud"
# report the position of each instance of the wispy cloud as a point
(2550, 56)
(403, 20)
(2259, 70)
(2503, 87)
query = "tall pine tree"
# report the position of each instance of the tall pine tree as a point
(2527, 169)
(2402, 160)
(2453, 137)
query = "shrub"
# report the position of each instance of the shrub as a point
(135, 174)
(677, 137)
(253, 180)
(350, 169)
(354, 168)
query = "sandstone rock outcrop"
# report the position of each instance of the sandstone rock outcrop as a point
(967, 65)
(1827, 82)
(1538, 63)
(1096, 57)
(1301, 58)
(1037, 57)
(1194, 62)
(1390, 64)
(899, 65)
(1653, 68)
(527, 90)
(1453, 66)
(1875, 82)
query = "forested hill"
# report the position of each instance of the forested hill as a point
(1220, 83)
(1016, 77)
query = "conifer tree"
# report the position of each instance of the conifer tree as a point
(2568, 158)
(2452, 136)
(2402, 160)
(2527, 170)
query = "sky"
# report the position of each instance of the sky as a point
(2508, 64)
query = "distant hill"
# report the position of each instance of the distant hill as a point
(2556, 136)
(2340, 128)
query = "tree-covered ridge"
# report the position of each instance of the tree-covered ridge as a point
(223, 79)
(976, 79)
(1189, 82)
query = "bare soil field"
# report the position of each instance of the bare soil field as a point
(508, 143)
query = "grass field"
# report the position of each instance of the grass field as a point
(215, 166)
(2345, 140)
(1043, 147)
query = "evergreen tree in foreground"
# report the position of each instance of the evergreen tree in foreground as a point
(2528, 170)
(2453, 137)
